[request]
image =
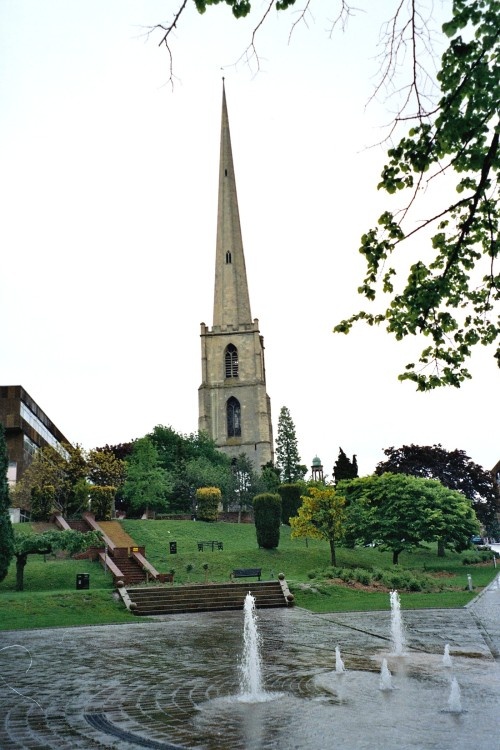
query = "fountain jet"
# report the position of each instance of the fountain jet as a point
(455, 701)
(398, 639)
(385, 677)
(251, 664)
(339, 664)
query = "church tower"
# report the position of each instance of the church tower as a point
(234, 408)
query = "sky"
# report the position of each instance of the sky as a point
(108, 188)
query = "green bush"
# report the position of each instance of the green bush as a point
(42, 502)
(208, 500)
(101, 502)
(267, 515)
(290, 500)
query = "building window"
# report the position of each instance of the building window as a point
(231, 361)
(228, 256)
(233, 417)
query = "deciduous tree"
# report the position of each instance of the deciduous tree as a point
(105, 469)
(451, 292)
(321, 516)
(401, 512)
(50, 541)
(454, 469)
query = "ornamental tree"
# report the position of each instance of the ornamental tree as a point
(455, 469)
(267, 515)
(321, 516)
(48, 542)
(401, 512)
(208, 500)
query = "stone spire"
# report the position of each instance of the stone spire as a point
(231, 298)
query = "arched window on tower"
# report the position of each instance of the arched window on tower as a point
(228, 256)
(233, 417)
(231, 361)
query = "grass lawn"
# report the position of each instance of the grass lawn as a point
(50, 597)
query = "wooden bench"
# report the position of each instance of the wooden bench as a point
(213, 544)
(247, 573)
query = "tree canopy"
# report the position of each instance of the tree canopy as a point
(344, 468)
(147, 484)
(287, 451)
(320, 516)
(43, 544)
(454, 469)
(452, 288)
(400, 512)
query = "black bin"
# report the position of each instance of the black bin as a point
(82, 581)
(173, 548)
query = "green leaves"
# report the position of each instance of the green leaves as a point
(451, 296)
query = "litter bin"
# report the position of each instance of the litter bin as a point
(173, 548)
(82, 580)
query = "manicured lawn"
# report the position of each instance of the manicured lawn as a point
(51, 599)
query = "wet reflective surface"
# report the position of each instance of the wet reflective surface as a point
(174, 682)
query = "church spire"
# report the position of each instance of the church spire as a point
(231, 298)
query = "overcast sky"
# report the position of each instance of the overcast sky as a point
(108, 188)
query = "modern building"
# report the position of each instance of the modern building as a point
(27, 428)
(234, 408)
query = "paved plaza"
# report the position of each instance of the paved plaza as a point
(174, 683)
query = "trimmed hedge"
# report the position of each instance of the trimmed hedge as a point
(208, 500)
(267, 513)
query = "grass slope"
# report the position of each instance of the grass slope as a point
(50, 597)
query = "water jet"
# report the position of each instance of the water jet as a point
(398, 639)
(339, 664)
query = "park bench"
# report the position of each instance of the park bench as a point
(212, 544)
(247, 573)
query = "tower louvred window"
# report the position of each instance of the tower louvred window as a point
(231, 361)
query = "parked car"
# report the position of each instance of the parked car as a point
(477, 540)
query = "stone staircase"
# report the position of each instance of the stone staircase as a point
(215, 597)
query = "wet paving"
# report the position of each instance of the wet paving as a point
(174, 683)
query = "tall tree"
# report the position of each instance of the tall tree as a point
(6, 534)
(287, 452)
(320, 516)
(105, 469)
(401, 512)
(454, 469)
(146, 485)
(48, 468)
(344, 468)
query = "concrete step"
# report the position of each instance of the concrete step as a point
(161, 600)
